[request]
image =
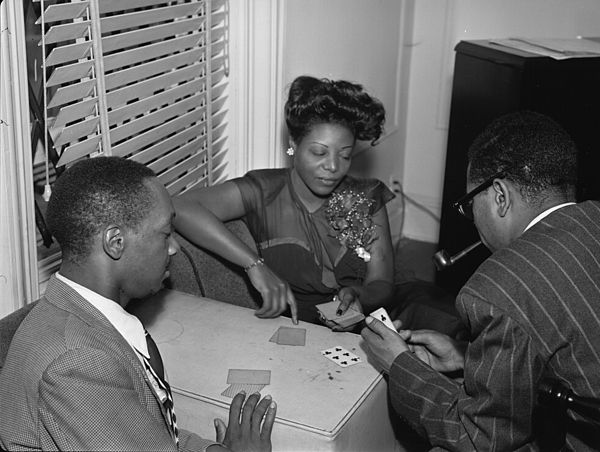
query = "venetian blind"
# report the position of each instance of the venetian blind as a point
(141, 79)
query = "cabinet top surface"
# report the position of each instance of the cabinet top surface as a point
(486, 48)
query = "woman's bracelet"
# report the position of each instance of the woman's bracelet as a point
(259, 261)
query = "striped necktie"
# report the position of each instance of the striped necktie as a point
(156, 368)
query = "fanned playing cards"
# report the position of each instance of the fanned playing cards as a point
(348, 318)
(249, 380)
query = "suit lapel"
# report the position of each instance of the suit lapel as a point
(66, 298)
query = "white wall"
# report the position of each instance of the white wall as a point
(438, 26)
(403, 52)
(360, 41)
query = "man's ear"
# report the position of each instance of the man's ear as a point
(502, 197)
(113, 242)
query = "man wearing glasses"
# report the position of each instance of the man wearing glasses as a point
(532, 308)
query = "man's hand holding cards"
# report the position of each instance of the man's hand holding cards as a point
(384, 342)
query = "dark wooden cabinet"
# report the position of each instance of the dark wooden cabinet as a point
(491, 80)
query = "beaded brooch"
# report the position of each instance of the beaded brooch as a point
(348, 214)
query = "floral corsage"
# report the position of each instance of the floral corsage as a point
(348, 213)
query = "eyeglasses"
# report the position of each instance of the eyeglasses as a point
(465, 204)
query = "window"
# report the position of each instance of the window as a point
(141, 79)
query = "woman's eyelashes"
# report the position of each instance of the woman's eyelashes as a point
(319, 152)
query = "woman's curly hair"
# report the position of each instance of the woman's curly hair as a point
(316, 101)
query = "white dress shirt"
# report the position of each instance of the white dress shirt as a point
(545, 213)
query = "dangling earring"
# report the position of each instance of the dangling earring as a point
(290, 151)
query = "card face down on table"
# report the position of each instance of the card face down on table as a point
(286, 335)
(348, 318)
(249, 380)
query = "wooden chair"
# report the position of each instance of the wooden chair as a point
(200, 272)
(8, 327)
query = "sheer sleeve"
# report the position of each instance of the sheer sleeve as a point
(258, 188)
(380, 194)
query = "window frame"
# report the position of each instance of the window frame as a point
(255, 87)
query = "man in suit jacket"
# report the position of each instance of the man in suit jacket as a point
(532, 308)
(80, 373)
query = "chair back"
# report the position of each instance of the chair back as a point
(550, 420)
(556, 394)
(8, 327)
(203, 273)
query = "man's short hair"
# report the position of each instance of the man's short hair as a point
(93, 194)
(533, 150)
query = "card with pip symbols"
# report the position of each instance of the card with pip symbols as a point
(341, 356)
(382, 315)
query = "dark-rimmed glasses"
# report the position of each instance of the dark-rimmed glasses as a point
(465, 204)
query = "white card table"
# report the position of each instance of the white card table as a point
(320, 406)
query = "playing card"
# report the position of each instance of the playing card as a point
(249, 380)
(233, 389)
(341, 356)
(329, 311)
(249, 376)
(291, 336)
(382, 315)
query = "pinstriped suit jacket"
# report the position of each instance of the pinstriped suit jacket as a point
(72, 382)
(533, 310)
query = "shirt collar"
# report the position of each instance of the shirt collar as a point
(545, 213)
(128, 325)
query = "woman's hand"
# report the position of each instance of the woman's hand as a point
(275, 292)
(349, 299)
